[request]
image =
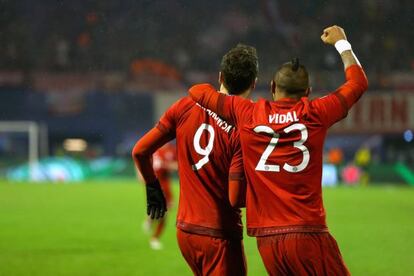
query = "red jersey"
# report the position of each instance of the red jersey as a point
(282, 143)
(209, 154)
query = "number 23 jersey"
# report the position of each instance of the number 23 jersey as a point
(209, 154)
(283, 146)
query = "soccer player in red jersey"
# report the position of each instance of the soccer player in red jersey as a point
(282, 143)
(164, 162)
(210, 168)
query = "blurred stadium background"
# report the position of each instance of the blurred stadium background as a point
(81, 81)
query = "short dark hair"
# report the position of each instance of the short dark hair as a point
(239, 68)
(292, 77)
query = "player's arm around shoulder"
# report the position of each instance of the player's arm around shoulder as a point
(205, 95)
(233, 109)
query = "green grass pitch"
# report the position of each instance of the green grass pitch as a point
(95, 229)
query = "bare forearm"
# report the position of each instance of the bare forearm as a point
(357, 82)
(349, 58)
(335, 36)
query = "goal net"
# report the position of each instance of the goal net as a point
(21, 142)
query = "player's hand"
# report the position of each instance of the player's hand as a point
(332, 34)
(156, 204)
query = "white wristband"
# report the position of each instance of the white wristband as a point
(342, 46)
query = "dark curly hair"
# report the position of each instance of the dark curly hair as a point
(239, 68)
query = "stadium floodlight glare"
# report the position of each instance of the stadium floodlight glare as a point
(32, 129)
(75, 144)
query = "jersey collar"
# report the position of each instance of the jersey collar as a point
(286, 101)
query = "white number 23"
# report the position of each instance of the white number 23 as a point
(262, 166)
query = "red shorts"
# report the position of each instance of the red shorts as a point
(212, 256)
(301, 254)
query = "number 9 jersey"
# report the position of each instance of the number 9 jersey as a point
(209, 155)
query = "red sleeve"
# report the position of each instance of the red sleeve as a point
(152, 141)
(143, 150)
(233, 109)
(237, 182)
(168, 121)
(237, 193)
(236, 168)
(335, 106)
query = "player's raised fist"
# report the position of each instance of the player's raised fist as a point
(332, 34)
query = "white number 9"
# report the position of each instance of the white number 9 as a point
(203, 151)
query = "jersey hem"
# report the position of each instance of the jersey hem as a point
(267, 231)
(212, 232)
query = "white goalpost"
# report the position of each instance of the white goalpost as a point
(37, 139)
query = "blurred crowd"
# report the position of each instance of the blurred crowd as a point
(181, 39)
(77, 54)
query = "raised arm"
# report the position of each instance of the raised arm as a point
(335, 106)
(356, 81)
